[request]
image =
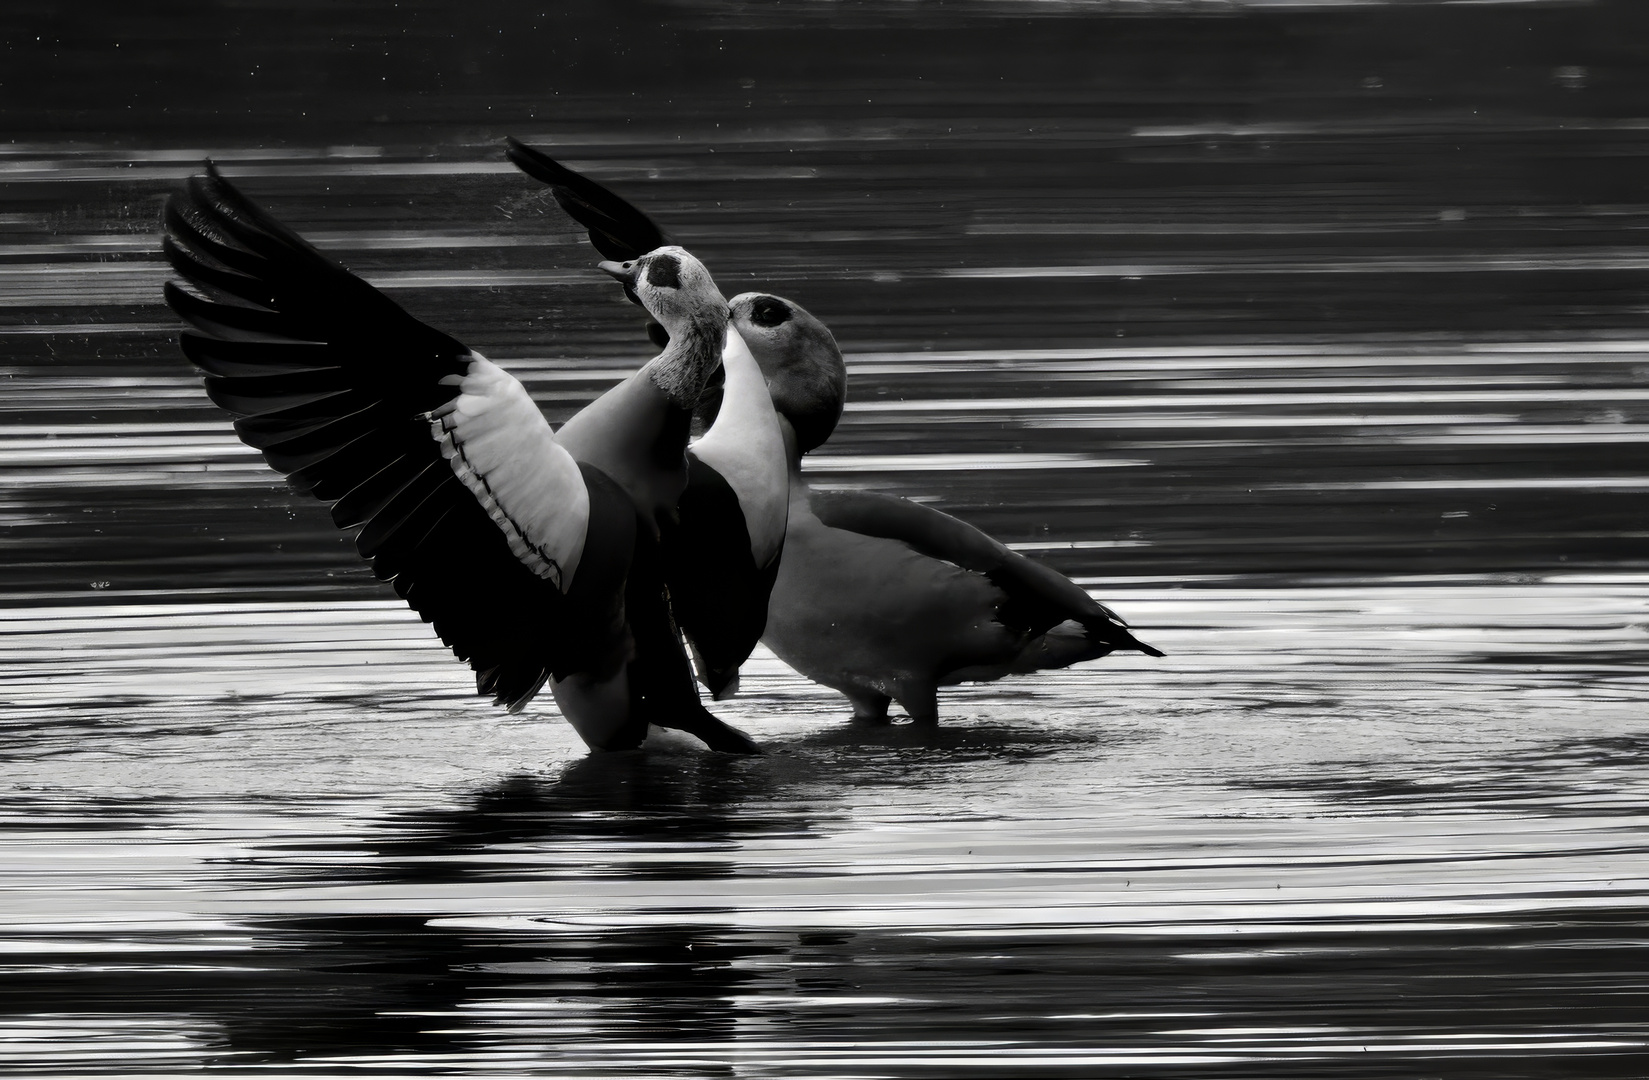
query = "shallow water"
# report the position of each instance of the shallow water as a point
(1310, 340)
(1395, 828)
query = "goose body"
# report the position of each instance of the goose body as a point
(876, 619)
(878, 597)
(535, 553)
(887, 600)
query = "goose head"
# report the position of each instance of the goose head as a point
(676, 290)
(799, 357)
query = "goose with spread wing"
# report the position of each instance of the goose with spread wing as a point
(878, 597)
(535, 553)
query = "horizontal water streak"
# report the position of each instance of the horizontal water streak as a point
(1522, 262)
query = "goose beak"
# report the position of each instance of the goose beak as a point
(625, 274)
(620, 271)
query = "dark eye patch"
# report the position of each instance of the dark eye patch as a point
(664, 272)
(769, 311)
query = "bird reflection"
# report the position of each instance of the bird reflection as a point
(358, 987)
(588, 818)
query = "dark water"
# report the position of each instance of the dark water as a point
(1312, 340)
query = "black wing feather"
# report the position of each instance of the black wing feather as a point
(311, 393)
(224, 321)
(362, 503)
(405, 528)
(617, 229)
(219, 356)
(198, 253)
(277, 435)
(332, 471)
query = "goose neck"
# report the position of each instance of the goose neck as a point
(688, 361)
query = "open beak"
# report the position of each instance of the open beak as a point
(625, 274)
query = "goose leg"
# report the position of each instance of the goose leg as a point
(921, 702)
(869, 707)
(600, 710)
(669, 695)
(671, 699)
(662, 688)
(709, 729)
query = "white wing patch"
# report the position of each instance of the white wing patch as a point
(505, 453)
(747, 448)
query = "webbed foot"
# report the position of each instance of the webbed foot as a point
(713, 732)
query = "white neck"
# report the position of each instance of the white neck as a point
(746, 445)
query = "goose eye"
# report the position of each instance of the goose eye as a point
(767, 311)
(664, 272)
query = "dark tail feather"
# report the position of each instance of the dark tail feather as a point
(1114, 632)
(1072, 643)
(1148, 650)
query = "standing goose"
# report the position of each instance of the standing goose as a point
(885, 599)
(722, 549)
(878, 597)
(534, 553)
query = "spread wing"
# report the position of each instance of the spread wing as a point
(616, 228)
(1039, 598)
(438, 459)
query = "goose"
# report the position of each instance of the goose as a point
(537, 554)
(878, 597)
(723, 547)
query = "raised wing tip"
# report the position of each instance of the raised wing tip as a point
(617, 229)
(219, 189)
(210, 183)
(535, 163)
(208, 191)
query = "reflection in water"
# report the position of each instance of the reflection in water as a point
(642, 816)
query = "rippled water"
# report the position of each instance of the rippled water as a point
(1404, 820)
(1311, 340)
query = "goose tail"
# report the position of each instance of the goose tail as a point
(1072, 642)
